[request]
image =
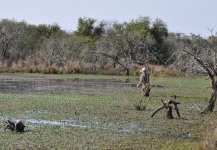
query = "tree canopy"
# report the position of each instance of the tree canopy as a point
(95, 44)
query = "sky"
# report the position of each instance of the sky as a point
(183, 16)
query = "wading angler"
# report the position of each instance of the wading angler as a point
(144, 81)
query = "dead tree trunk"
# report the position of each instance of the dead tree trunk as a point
(168, 108)
(211, 73)
(211, 104)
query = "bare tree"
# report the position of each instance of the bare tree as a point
(199, 55)
(52, 50)
(10, 30)
(126, 44)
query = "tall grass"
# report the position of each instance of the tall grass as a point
(77, 67)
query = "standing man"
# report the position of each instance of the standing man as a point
(144, 81)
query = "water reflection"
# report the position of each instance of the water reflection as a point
(30, 85)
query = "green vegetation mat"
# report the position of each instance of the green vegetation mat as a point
(75, 121)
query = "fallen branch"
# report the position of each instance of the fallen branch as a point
(168, 108)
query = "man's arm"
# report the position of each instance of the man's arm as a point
(141, 79)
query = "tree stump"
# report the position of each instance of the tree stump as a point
(168, 108)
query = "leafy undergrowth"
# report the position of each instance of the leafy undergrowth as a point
(72, 121)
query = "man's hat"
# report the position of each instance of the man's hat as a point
(143, 70)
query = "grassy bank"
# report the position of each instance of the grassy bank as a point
(71, 121)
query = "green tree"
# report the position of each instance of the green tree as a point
(89, 27)
(159, 33)
(49, 30)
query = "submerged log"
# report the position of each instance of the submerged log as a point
(19, 126)
(16, 127)
(168, 108)
(9, 125)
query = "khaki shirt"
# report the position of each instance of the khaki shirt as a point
(144, 78)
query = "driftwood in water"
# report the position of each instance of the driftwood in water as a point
(9, 125)
(168, 108)
(16, 127)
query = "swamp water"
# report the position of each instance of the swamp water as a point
(31, 85)
(37, 85)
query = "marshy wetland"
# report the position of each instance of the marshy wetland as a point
(98, 112)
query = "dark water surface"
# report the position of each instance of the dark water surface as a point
(40, 85)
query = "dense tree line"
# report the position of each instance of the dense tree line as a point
(94, 47)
